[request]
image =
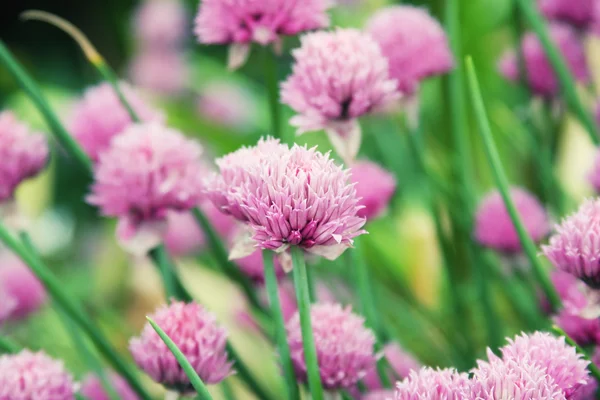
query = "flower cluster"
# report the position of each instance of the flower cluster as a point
(25, 292)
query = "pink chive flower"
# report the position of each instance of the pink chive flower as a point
(414, 43)
(540, 74)
(575, 247)
(29, 375)
(374, 185)
(99, 116)
(494, 228)
(160, 23)
(227, 104)
(196, 332)
(149, 171)
(92, 388)
(571, 317)
(432, 384)
(24, 154)
(20, 284)
(400, 361)
(512, 379)
(344, 346)
(337, 77)
(161, 71)
(379, 395)
(558, 360)
(577, 12)
(184, 236)
(240, 22)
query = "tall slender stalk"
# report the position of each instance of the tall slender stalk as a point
(561, 68)
(272, 84)
(173, 286)
(308, 340)
(73, 309)
(280, 333)
(502, 182)
(244, 373)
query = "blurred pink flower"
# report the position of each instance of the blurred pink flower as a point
(576, 12)
(432, 384)
(92, 388)
(22, 286)
(160, 23)
(400, 361)
(374, 186)
(29, 376)
(575, 247)
(227, 104)
(24, 154)
(560, 361)
(337, 77)
(540, 74)
(7, 304)
(379, 395)
(583, 330)
(344, 346)
(494, 227)
(512, 379)
(414, 43)
(149, 171)
(184, 236)
(99, 116)
(196, 332)
(240, 22)
(158, 70)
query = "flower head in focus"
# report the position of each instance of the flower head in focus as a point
(24, 154)
(241, 22)
(196, 332)
(92, 388)
(337, 77)
(29, 375)
(149, 171)
(433, 384)
(539, 71)
(399, 360)
(414, 43)
(22, 286)
(579, 13)
(344, 345)
(575, 247)
(99, 116)
(374, 186)
(494, 227)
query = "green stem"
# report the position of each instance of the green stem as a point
(485, 131)
(280, 332)
(595, 371)
(561, 68)
(227, 390)
(363, 287)
(8, 346)
(272, 84)
(308, 340)
(173, 286)
(36, 96)
(195, 380)
(220, 253)
(244, 373)
(73, 309)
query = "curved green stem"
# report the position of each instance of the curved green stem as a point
(173, 286)
(308, 340)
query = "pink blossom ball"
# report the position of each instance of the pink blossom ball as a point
(29, 376)
(160, 23)
(494, 227)
(540, 74)
(374, 185)
(24, 154)
(575, 245)
(245, 21)
(99, 116)
(399, 360)
(161, 71)
(576, 12)
(22, 286)
(92, 388)
(414, 43)
(433, 384)
(344, 346)
(196, 332)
